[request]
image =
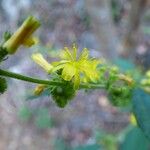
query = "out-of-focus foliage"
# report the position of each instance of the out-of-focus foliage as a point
(124, 64)
(60, 144)
(135, 139)
(116, 10)
(40, 117)
(141, 105)
(129, 138)
(106, 140)
(24, 113)
(43, 119)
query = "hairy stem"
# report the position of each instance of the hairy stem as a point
(26, 78)
(47, 82)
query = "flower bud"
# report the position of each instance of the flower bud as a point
(39, 89)
(115, 69)
(39, 59)
(22, 36)
(127, 79)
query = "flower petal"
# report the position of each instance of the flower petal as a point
(66, 54)
(84, 55)
(77, 80)
(68, 72)
(90, 70)
(30, 41)
(74, 51)
(39, 59)
(58, 67)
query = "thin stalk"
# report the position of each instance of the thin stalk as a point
(26, 78)
(92, 86)
(47, 82)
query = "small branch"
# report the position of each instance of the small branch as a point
(47, 82)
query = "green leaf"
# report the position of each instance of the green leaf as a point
(3, 85)
(135, 140)
(141, 109)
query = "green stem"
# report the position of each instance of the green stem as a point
(92, 86)
(47, 82)
(28, 79)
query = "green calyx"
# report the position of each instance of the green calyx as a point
(62, 94)
(120, 94)
(3, 54)
(119, 87)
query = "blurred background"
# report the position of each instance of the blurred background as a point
(117, 30)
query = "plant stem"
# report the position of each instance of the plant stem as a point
(47, 82)
(92, 86)
(26, 78)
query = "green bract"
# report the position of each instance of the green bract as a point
(3, 54)
(63, 94)
(120, 94)
(119, 88)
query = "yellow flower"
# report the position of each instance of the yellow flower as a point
(23, 36)
(39, 59)
(30, 41)
(39, 89)
(74, 67)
